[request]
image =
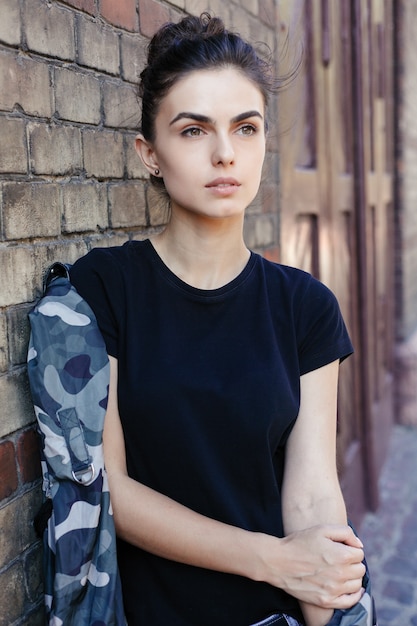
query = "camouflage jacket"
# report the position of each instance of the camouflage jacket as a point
(68, 372)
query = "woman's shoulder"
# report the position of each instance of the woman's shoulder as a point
(298, 291)
(292, 279)
(103, 259)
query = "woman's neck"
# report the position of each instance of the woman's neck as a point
(204, 255)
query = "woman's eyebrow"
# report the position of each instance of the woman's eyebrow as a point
(208, 120)
(191, 116)
(246, 115)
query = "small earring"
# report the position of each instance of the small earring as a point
(156, 172)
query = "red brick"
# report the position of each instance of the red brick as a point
(8, 472)
(121, 13)
(151, 16)
(89, 6)
(28, 456)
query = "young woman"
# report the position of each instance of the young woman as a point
(220, 431)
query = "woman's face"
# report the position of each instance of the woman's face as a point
(210, 143)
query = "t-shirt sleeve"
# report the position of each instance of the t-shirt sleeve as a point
(97, 278)
(322, 333)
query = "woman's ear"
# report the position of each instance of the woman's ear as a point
(147, 154)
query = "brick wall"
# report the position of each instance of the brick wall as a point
(70, 180)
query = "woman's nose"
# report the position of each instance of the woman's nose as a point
(223, 151)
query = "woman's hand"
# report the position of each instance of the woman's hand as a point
(320, 565)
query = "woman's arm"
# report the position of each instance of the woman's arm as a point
(311, 490)
(159, 525)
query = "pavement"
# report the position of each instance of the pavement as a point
(390, 533)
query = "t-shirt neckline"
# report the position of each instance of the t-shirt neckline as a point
(177, 282)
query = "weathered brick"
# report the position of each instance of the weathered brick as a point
(178, 3)
(16, 274)
(10, 25)
(16, 528)
(196, 7)
(133, 56)
(217, 7)
(8, 471)
(89, 6)
(98, 46)
(157, 204)
(111, 239)
(18, 331)
(103, 154)
(85, 207)
(134, 165)
(49, 29)
(151, 16)
(127, 204)
(36, 616)
(175, 15)
(16, 403)
(31, 210)
(27, 84)
(28, 456)
(65, 251)
(55, 150)
(259, 231)
(121, 13)
(121, 108)
(77, 96)
(33, 576)
(12, 593)
(13, 152)
(4, 354)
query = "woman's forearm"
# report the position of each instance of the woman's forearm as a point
(325, 511)
(163, 527)
(155, 523)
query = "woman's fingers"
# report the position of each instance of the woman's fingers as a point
(325, 566)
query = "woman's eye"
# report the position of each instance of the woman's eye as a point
(192, 132)
(247, 129)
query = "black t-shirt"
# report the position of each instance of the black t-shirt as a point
(208, 393)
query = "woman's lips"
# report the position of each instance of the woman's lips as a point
(223, 186)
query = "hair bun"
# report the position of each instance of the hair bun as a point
(188, 29)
